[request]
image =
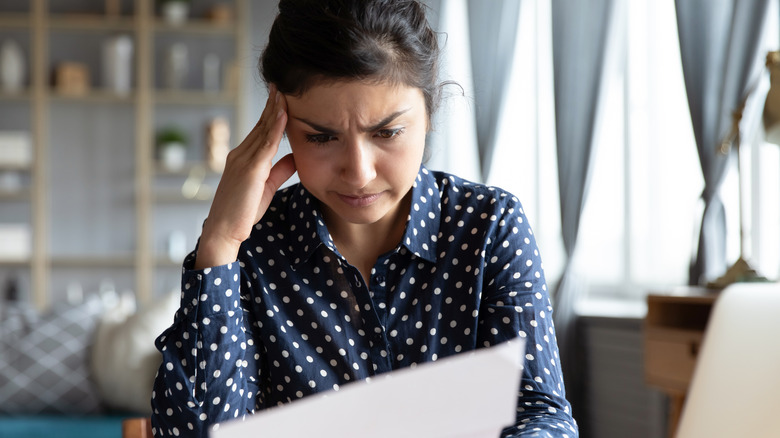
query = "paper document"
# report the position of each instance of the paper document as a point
(468, 395)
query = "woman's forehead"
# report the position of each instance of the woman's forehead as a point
(365, 86)
(365, 100)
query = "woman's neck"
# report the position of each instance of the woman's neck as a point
(362, 244)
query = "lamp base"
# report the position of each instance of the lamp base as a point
(739, 272)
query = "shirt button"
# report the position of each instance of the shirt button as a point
(379, 279)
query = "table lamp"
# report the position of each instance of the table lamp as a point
(741, 270)
(772, 105)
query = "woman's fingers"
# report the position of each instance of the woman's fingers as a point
(280, 172)
(272, 131)
(285, 167)
(248, 184)
(266, 118)
(269, 102)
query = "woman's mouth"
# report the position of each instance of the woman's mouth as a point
(359, 200)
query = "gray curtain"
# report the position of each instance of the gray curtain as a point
(493, 31)
(452, 141)
(579, 31)
(719, 46)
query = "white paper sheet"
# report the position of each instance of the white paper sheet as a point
(468, 395)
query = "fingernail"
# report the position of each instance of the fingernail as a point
(277, 96)
(279, 114)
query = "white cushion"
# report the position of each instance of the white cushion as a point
(124, 359)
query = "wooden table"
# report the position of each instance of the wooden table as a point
(137, 428)
(673, 332)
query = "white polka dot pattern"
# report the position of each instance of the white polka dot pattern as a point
(291, 317)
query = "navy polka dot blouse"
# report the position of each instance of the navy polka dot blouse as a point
(292, 318)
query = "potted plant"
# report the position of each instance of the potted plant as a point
(174, 12)
(172, 148)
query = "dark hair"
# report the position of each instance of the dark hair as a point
(375, 40)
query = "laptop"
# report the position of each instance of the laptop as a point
(735, 390)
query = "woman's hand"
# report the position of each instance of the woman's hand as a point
(247, 186)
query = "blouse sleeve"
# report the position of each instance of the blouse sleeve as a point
(208, 373)
(515, 303)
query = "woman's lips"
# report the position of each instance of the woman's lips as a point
(359, 200)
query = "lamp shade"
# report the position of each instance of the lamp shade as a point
(772, 105)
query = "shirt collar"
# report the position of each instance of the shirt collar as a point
(308, 230)
(422, 226)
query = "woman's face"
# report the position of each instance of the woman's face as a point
(358, 147)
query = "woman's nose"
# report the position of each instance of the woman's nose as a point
(358, 164)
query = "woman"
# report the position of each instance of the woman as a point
(370, 264)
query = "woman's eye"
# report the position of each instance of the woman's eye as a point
(319, 138)
(388, 133)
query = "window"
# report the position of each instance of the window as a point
(640, 224)
(526, 138)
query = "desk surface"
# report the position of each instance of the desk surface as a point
(685, 293)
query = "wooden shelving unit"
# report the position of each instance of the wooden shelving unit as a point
(43, 26)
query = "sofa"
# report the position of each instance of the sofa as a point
(80, 368)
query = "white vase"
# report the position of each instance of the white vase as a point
(175, 12)
(176, 66)
(118, 64)
(12, 68)
(173, 156)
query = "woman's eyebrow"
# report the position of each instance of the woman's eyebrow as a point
(315, 126)
(374, 127)
(384, 122)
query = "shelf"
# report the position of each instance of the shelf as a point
(14, 20)
(185, 171)
(15, 168)
(91, 22)
(84, 261)
(21, 195)
(197, 26)
(15, 263)
(172, 197)
(193, 97)
(20, 96)
(193, 189)
(165, 262)
(95, 96)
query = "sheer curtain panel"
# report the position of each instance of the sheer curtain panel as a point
(580, 30)
(719, 46)
(452, 143)
(493, 31)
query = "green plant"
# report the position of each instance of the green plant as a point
(171, 135)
